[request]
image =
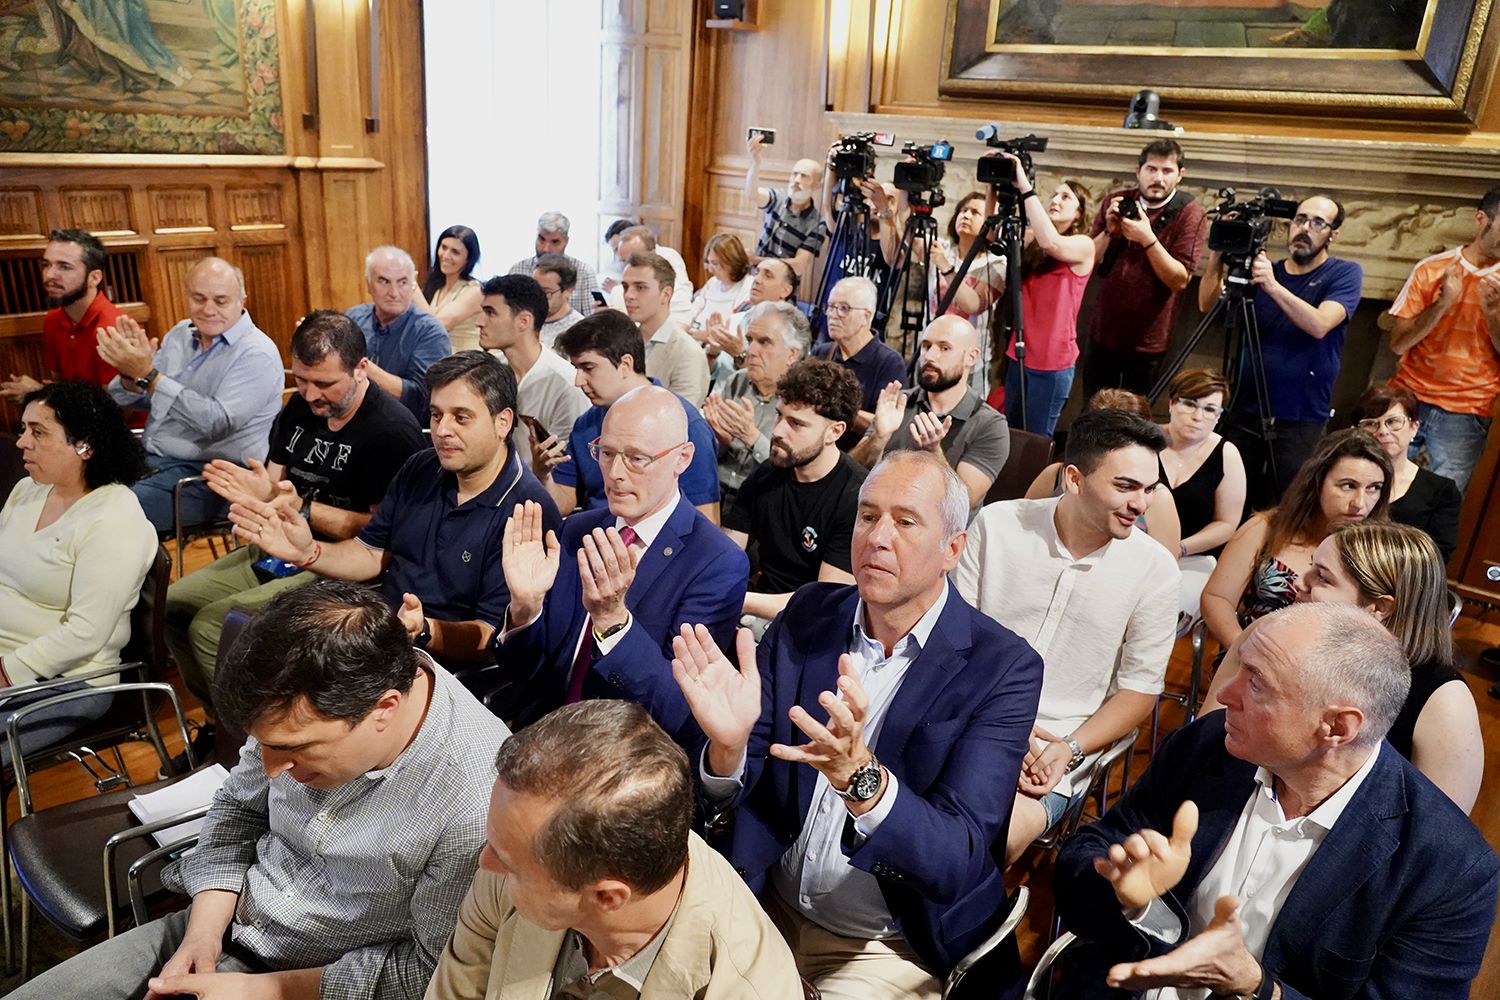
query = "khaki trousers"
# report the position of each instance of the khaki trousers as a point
(844, 968)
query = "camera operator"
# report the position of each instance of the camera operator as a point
(1302, 309)
(793, 227)
(1146, 243)
(985, 269)
(1056, 262)
(884, 228)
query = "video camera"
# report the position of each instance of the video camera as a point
(996, 171)
(924, 171)
(853, 157)
(1240, 228)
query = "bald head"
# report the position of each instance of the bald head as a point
(655, 411)
(643, 449)
(217, 267)
(949, 351)
(215, 296)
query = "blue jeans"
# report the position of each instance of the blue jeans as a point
(1453, 442)
(199, 504)
(1046, 395)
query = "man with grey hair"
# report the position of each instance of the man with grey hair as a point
(793, 228)
(552, 238)
(210, 390)
(1324, 864)
(742, 411)
(851, 307)
(880, 874)
(401, 341)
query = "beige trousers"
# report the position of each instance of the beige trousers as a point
(844, 968)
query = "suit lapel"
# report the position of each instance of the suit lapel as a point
(665, 549)
(944, 654)
(532, 955)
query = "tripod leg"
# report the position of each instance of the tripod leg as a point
(1188, 347)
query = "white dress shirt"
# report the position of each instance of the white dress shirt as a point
(1259, 863)
(814, 877)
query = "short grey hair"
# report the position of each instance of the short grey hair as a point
(239, 275)
(795, 330)
(861, 289)
(1354, 660)
(387, 251)
(552, 222)
(954, 509)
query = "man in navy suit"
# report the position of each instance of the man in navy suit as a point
(874, 829)
(1307, 857)
(593, 616)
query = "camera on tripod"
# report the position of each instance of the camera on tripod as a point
(853, 157)
(1240, 228)
(996, 170)
(924, 171)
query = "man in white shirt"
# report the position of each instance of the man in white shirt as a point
(639, 239)
(1095, 596)
(1324, 863)
(673, 357)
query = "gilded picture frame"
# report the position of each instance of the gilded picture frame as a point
(1423, 59)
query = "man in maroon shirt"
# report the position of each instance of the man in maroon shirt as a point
(1144, 260)
(72, 271)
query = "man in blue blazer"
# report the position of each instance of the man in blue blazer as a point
(1307, 857)
(872, 833)
(593, 616)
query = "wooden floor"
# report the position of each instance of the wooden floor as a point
(1476, 630)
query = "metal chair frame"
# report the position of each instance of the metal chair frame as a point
(210, 530)
(1038, 978)
(1007, 927)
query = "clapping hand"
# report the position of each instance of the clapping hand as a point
(890, 407)
(17, 387)
(724, 700)
(927, 431)
(411, 616)
(530, 562)
(606, 568)
(836, 749)
(732, 419)
(278, 530)
(1215, 960)
(1489, 293)
(723, 336)
(1148, 864)
(126, 348)
(1453, 283)
(237, 483)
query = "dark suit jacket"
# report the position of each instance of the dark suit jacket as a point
(1396, 902)
(691, 573)
(954, 738)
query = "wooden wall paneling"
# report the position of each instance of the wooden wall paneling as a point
(102, 210)
(402, 139)
(171, 267)
(255, 208)
(180, 208)
(21, 215)
(348, 227)
(268, 274)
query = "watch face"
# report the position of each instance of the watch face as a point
(865, 782)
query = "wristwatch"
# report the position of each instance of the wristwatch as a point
(425, 636)
(601, 636)
(1077, 753)
(863, 783)
(144, 382)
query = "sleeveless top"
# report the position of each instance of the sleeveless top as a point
(465, 334)
(1195, 494)
(1272, 587)
(1425, 679)
(1049, 305)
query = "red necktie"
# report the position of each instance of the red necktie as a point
(585, 653)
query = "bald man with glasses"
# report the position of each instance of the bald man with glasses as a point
(1302, 309)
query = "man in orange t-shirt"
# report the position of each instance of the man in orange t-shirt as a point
(1447, 332)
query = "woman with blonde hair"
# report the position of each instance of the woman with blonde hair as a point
(1347, 478)
(1395, 572)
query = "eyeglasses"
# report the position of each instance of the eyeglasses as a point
(844, 309)
(1312, 222)
(1193, 406)
(633, 462)
(1393, 423)
(550, 291)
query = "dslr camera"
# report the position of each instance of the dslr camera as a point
(853, 157)
(923, 173)
(1241, 227)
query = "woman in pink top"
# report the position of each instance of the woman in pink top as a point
(1055, 263)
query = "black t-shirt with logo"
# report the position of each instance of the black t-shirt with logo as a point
(349, 468)
(793, 526)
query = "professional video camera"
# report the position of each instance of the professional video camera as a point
(995, 170)
(1240, 228)
(924, 171)
(853, 157)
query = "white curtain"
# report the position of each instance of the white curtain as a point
(512, 122)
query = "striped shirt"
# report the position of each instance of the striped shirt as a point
(1455, 367)
(365, 879)
(582, 298)
(787, 231)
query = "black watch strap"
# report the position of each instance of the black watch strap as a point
(144, 382)
(424, 637)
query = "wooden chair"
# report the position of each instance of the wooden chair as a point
(1029, 455)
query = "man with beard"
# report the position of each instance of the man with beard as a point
(793, 229)
(1147, 242)
(943, 415)
(77, 309)
(1302, 308)
(434, 542)
(335, 448)
(1096, 598)
(799, 506)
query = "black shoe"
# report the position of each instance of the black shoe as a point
(203, 742)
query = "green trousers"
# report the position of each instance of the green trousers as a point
(197, 604)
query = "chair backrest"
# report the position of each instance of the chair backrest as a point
(228, 739)
(148, 620)
(1029, 455)
(12, 471)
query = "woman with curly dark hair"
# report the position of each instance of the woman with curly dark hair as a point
(77, 545)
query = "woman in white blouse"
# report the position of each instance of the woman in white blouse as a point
(76, 548)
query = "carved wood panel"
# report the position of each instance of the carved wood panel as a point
(180, 209)
(21, 216)
(103, 211)
(267, 269)
(255, 208)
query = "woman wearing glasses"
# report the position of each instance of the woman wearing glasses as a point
(1205, 472)
(1419, 498)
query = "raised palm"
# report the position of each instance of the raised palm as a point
(278, 531)
(529, 556)
(724, 699)
(889, 409)
(1148, 864)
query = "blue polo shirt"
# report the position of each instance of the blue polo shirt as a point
(1300, 368)
(447, 553)
(875, 366)
(406, 348)
(700, 483)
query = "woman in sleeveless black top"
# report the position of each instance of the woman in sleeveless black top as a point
(1205, 472)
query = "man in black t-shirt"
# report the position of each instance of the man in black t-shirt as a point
(334, 448)
(798, 507)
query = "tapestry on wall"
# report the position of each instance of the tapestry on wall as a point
(140, 76)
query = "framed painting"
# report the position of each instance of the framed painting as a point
(1425, 59)
(140, 76)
